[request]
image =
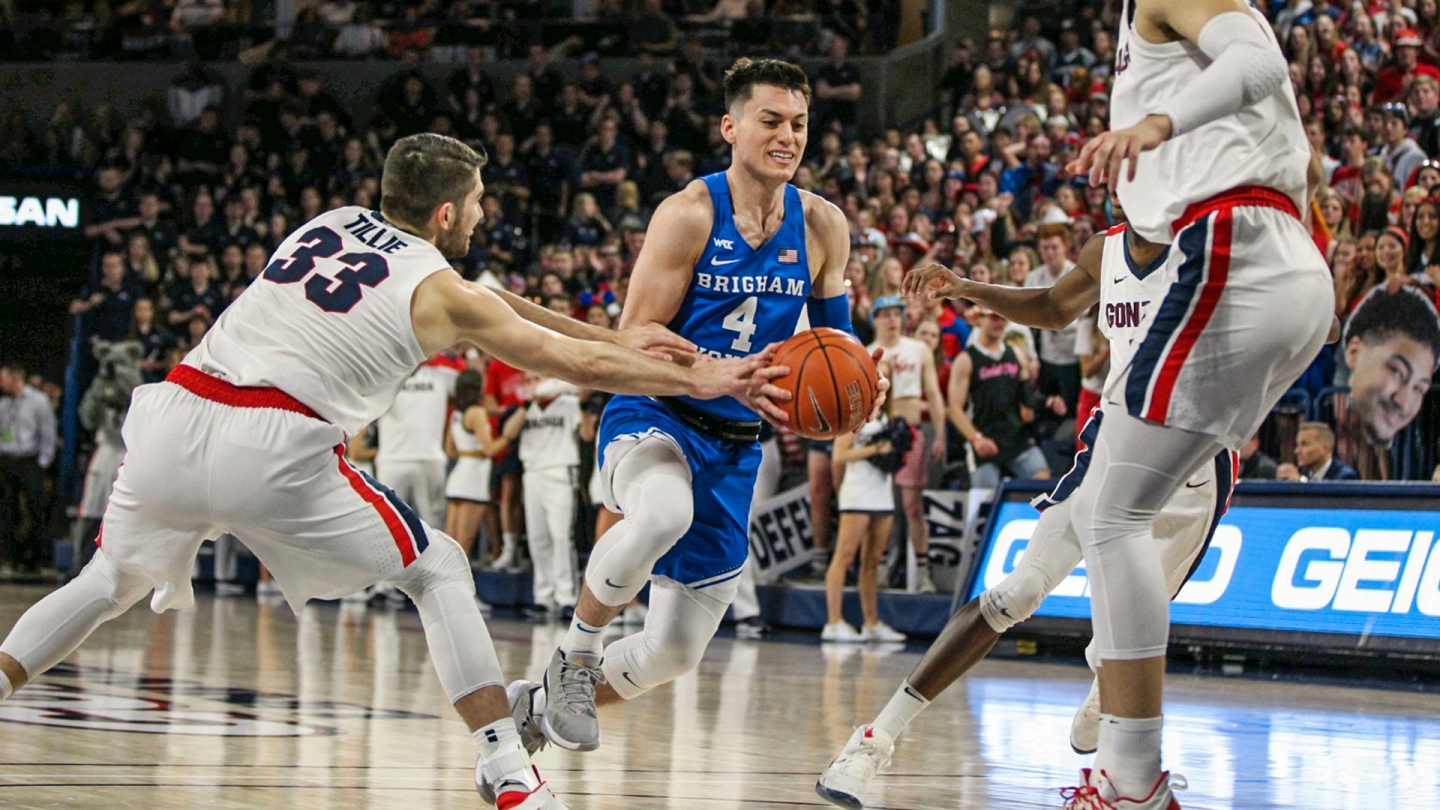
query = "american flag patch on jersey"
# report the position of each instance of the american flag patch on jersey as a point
(789, 256)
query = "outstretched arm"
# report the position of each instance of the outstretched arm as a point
(1052, 307)
(447, 309)
(648, 338)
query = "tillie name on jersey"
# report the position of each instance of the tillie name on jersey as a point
(751, 285)
(374, 235)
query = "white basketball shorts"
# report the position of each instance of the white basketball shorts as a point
(206, 457)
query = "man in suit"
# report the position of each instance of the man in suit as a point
(1315, 457)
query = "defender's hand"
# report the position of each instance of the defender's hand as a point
(1105, 155)
(654, 340)
(931, 281)
(762, 393)
(880, 388)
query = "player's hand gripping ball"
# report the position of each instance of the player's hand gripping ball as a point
(833, 380)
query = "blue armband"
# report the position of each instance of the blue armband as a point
(831, 312)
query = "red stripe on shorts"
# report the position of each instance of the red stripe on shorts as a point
(1219, 271)
(375, 499)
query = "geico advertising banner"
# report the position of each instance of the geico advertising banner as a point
(1307, 569)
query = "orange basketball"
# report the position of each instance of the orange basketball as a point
(833, 379)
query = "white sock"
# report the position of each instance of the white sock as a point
(1130, 753)
(507, 543)
(502, 758)
(583, 637)
(905, 705)
(6, 689)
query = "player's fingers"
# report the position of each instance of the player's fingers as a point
(1134, 158)
(773, 393)
(883, 385)
(771, 372)
(770, 411)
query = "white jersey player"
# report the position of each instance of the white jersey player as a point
(248, 436)
(411, 457)
(550, 457)
(1208, 153)
(1126, 282)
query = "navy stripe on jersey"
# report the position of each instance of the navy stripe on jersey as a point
(743, 298)
(1070, 481)
(1172, 314)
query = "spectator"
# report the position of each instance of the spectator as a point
(507, 178)
(156, 342)
(1315, 457)
(411, 460)
(867, 511)
(984, 404)
(111, 210)
(545, 427)
(198, 297)
(108, 305)
(469, 441)
(1393, 81)
(1402, 155)
(194, 91)
(1422, 255)
(1425, 100)
(523, 110)
(1059, 380)
(27, 447)
(604, 164)
(837, 91)
(651, 31)
(1254, 464)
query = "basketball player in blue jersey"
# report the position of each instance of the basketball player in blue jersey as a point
(729, 263)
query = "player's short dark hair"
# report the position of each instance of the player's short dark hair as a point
(421, 172)
(1407, 312)
(13, 369)
(747, 72)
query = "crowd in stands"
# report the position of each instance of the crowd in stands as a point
(186, 210)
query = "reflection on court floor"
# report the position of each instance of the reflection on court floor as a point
(239, 705)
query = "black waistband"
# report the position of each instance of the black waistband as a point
(730, 430)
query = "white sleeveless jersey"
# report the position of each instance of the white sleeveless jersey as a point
(907, 360)
(329, 320)
(1126, 294)
(548, 440)
(413, 427)
(1262, 145)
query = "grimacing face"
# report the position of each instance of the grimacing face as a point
(454, 242)
(770, 131)
(1390, 379)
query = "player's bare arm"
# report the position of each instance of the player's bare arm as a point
(663, 270)
(652, 339)
(1246, 66)
(1054, 307)
(447, 309)
(827, 236)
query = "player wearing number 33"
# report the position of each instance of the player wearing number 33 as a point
(247, 436)
(729, 262)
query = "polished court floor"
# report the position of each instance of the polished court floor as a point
(239, 705)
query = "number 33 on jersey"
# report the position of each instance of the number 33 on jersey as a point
(342, 281)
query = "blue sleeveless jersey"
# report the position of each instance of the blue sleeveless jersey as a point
(742, 299)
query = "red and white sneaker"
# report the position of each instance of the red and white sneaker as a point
(521, 797)
(1097, 793)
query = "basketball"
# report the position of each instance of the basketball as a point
(833, 381)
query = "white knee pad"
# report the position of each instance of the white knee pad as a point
(55, 626)
(651, 485)
(1135, 468)
(443, 588)
(678, 628)
(1053, 552)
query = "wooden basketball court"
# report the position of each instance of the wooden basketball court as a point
(239, 705)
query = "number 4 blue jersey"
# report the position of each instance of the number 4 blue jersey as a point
(328, 322)
(743, 298)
